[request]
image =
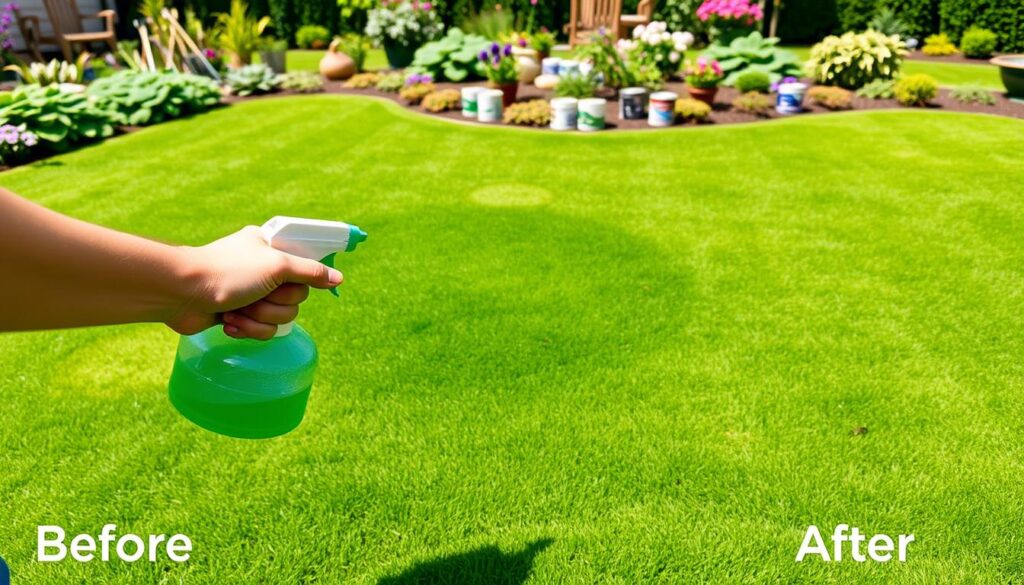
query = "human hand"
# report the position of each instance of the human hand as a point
(251, 287)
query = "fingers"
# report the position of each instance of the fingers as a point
(240, 326)
(270, 313)
(288, 294)
(305, 271)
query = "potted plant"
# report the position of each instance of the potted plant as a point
(401, 27)
(499, 66)
(238, 33)
(702, 79)
(730, 19)
(273, 53)
(542, 41)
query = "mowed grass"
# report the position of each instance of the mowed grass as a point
(619, 358)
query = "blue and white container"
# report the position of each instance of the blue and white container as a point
(662, 111)
(563, 113)
(550, 66)
(568, 67)
(790, 99)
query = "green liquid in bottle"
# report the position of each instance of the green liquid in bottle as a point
(241, 387)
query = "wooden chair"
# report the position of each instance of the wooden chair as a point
(587, 17)
(66, 21)
(644, 15)
(32, 33)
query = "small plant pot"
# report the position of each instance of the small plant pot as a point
(508, 92)
(317, 45)
(399, 55)
(704, 94)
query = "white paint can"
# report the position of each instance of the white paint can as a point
(662, 109)
(563, 113)
(592, 114)
(469, 105)
(488, 104)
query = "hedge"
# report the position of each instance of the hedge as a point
(1003, 17)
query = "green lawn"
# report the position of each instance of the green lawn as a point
(947, 74)
(623, 358)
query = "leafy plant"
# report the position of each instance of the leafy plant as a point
(756, 81)
(413, 93)
(312, 36)
(832, 98)
(454, 57)
(704, 73)
(972, 94)
(442, 100)
(15, 143)
(691, 110)
(499, 64)
(363, 81)
(357, 47)
(575, 85)
(606, 61)
(53, 72)
(753, 102)
(753, 52)
(57, 117)
(238, 33)
(978, 43)
(301, 81)
(855, 59)
(531, 113)
(251, 80)
(938, 46)
(542, 41)
(879, 89)
(888, 23)
(391, 83)
(403, 22)
(729, 18)
(916, 90)
(490, 24)
(652, 46)
(140, 98)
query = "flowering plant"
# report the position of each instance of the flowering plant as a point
(6, 20)
(418, 78)
(499, 64)
(654, 47)
(403, 22)
(15, 142)
(789, 79)
(730, 12)
(703, 73)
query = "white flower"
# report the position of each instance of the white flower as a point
(673, 57)
(639, 31)
(688, 38)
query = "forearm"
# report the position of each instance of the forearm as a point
(62, 272)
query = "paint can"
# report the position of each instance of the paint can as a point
(591, 114)
(568, 67)
(469, 97)
(790, 98)
(563, 113)
(662, 110)
(550, 65)
(632, 103)
(488, 104)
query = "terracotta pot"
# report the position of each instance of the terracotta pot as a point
(704, 94)
(317, 44)
(335, 65)
(237, 61)
(508, 92)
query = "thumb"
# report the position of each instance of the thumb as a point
(305, 271)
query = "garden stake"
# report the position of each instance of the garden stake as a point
(197, 53)
(147, 50)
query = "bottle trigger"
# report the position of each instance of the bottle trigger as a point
(328, 260)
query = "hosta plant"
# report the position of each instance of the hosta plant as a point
(454, 57)
(139, 98)
(58, 118)
(301, 81)
(753, 52)
(856, 59)
(251, 80)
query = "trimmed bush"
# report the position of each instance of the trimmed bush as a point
(853, 60)
(312, 36)
(978, 43)
(939, 46)
(833, 98)
(1003, 17)
(754, 81)
(916, 90)
(691, 110)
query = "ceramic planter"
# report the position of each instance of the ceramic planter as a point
(704, 94)
(1011, 69)
(399, 55)
(527, 64)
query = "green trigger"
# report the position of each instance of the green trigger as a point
(328, 260)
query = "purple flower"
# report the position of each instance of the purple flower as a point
(508, 50)
(522, 42)
(496, 61)
(10, 138)
(29, 139)
(483, 55)
(495, 49)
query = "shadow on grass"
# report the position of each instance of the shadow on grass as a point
(486, 565)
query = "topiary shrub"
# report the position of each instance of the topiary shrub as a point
(856, 59)
(442, 101)
(938, 46)
(363, 81)
(312, 36)
(833, 98)
(691, 110)
(972, 94)
(756, 81)
(978, 43)
(916, 90)
(879, 89)
(753, 103)
(531, 113)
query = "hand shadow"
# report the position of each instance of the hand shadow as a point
(486, 565)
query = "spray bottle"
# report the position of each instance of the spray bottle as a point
(257, 389)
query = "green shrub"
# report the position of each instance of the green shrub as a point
(691, 110)
(978, 43)
(577, 85)
(833, 98)
(888, 23)
(414, 93)
(251, 80)
(301, 81)
(753, 103)
(1003, 17)
(442, 100)
(140, 98)
(57, 117)
(879, 89)
(454, 57)
(363, 81)
(312, 36)
(753, 53)
(853, 60)
(391, 83)
(938, 46)
(531, 113)
(756, 81)
(916, 90)
(972, 94)
(357, 47)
